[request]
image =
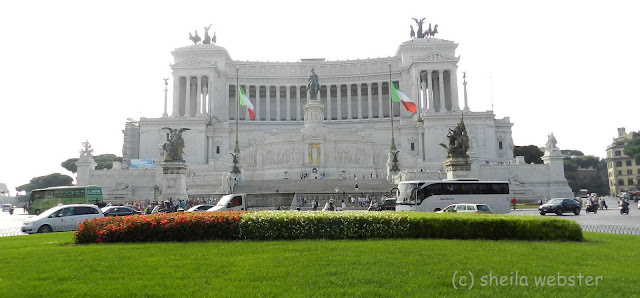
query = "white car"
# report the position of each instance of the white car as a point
(200, 208)
(61, 218)
(467, 208)
(6, 207)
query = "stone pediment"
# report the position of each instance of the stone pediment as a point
(193, 63)
(436, 57)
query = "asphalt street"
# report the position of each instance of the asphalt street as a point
(609, 216)
(10, 224)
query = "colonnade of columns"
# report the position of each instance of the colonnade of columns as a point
(342, 101)
(439, 90)
(192, 96)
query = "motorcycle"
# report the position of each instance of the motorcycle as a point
(592, 207)
(624, 207)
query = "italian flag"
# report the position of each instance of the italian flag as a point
(398, 96)
(244, 101)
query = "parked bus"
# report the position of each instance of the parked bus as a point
(436, 195)
(43, 199)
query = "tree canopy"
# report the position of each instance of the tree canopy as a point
(55, 179)
(531, 153)
(586, 172)
(572, 152)
(632, 148)
(103, 161)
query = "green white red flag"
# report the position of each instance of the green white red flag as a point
(244, 101)
(398, 96)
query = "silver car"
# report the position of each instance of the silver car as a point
(61, 218)
(467, 208)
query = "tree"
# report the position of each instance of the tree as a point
(586, 172)
(586, 162)
(70, 165)
(571, 152)
(103, 161)
(632, 148)
(531, 153)
(55, 179)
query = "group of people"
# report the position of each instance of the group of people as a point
(166, 206)
(594, 200)
(362, 201)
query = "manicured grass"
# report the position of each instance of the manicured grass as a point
(50, 265)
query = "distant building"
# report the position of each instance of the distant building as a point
(624, 171)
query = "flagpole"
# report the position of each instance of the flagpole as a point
(236, 149)
(393, 142)
(235, 170)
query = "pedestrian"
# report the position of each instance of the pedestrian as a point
(314, 205)
(344, 204)
(513, 203)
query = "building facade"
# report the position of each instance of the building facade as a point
(345, 133)
(623, 171)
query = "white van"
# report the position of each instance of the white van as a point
(61, 218)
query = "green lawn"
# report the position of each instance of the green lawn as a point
(49, 265)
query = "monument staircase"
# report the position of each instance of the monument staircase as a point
(367, 185)
(523, 193)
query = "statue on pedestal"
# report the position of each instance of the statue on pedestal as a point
(458, 141)
(174, 146)
(313, 85)
(86, 151)
(551, 143)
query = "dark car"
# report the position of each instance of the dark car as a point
(388, 204)
(120, 211)
(560, 206)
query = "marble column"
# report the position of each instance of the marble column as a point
(278, 99)
(328, 102)
(187, 104)
(338, 102)
(369, 101)
(288, 98)
(430, 91)
(349, 102)
(268, 99)
(454, 89)
(380, 101)
(257, 105)
(423, 95)
(359, 93)
(199, 96)
(298, 108)
(210, 99)
(176, 96)
(443, 108)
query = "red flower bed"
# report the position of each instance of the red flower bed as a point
(160, 227)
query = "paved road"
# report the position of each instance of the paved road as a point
(10, 224)
(610, 216)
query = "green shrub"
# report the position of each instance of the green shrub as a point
(290, 225)
(275, 225)
(495, 227)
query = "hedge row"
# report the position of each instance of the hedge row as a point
(290, 225)
(160, 227)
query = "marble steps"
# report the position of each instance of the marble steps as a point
(366, 186)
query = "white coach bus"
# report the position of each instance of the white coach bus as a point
(435, 195)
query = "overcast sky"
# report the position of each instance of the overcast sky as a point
(76, 70)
